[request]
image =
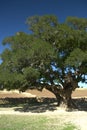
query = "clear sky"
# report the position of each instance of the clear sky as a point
(13, 13)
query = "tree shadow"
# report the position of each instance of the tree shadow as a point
(37, 108)
(40, 105)
(33, 105)
(81, 103)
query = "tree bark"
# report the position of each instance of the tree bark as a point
(64, 99)
(63, 96)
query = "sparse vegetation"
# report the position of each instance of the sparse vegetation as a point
(70, 127)
(34, 122)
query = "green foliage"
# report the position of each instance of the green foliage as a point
(31, 57)
(42, 26)
(76, 57)
(77, 23)
(31, 74)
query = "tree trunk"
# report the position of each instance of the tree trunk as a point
(63, 96)
(59, 99)
(64, 99)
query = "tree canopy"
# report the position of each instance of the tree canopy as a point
(53, 54)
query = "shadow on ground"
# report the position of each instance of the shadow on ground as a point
(35, 105)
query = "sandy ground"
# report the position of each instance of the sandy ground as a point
(79, 118)
(45, 93)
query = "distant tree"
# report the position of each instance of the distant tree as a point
(52, 56)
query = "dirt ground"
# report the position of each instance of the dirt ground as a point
(35, 93)
(45, 93)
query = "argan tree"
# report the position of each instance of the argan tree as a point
(52, 56)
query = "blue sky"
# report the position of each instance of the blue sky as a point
(13, 13)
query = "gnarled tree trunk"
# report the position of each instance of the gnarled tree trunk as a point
(63, 95)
